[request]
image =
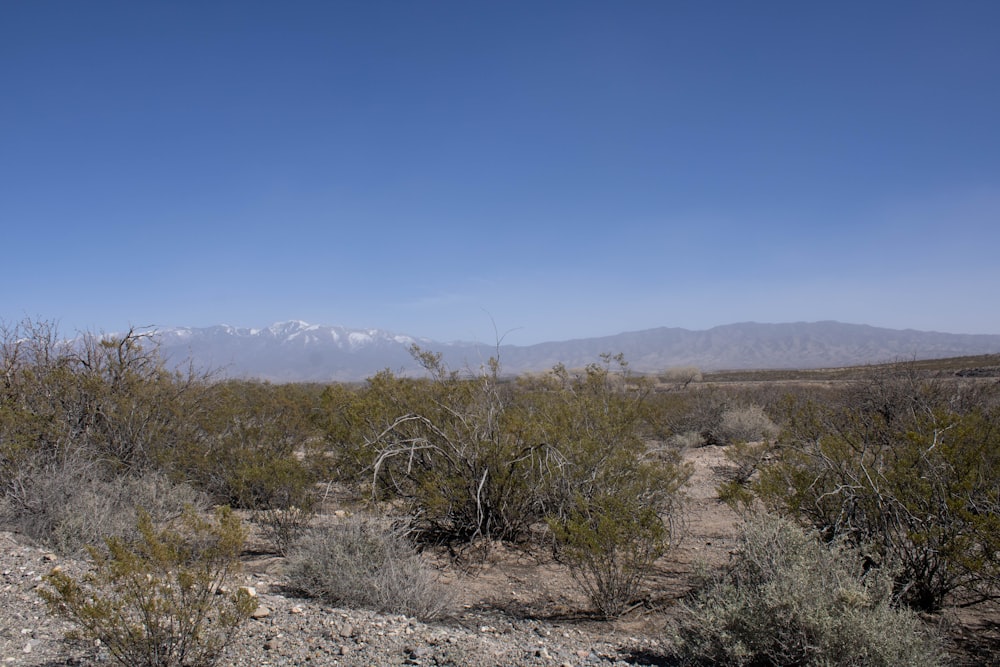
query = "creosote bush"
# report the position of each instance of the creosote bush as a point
(159, 601)
(907, 465)
(366, 563)
(790, 599)
(610, 545)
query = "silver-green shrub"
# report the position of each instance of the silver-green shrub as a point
(789, 599)
(366, 563)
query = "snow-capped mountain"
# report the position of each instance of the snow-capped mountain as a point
(296, 351)
(289, 351)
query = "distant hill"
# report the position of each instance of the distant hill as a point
(300, 352)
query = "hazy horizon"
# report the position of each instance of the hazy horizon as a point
(459, 170)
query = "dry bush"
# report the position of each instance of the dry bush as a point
(366, 563)
(284, 526)
(686, 440)
(680, 377)
(745, 424)
(789, 599)
(69, 506)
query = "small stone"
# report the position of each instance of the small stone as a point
(249, 590)
(347, 630)
(260, 612)
(295, 610)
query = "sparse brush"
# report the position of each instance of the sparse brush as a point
(366, 563)
(74, 504)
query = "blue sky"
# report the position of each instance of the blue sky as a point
(560, 169)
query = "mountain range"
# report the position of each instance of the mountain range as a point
(299, 352)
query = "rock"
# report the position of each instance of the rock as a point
(418, 651)
(260, 612)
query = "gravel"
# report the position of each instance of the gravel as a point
(295, 631)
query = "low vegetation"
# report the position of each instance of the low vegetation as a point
(789, 598)
(160, 600)
(366, 563)
(907, 465)
(893, 467)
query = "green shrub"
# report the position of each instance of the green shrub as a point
(366, 563)
(610, 545)
(789, 599)
(456, 449)
(159, 601)
(908, 466)
(255, 449)
(745, 460)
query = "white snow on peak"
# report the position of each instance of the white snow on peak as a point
(359, 337)
(287, 328)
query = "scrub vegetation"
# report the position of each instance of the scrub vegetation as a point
(868, 497)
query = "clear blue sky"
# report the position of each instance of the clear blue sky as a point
(566, 169)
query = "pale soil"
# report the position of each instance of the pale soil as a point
(512, 607)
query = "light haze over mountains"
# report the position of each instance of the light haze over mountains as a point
(296, 351)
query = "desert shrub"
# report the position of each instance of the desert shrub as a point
(610, 501)
(159, 601)
(907, 465)
(455, 448)
(255, 448)
(366, 563)
(610, 545)
(593, 423)
(110, 398)
(686, 440)
(475, 456)
(745, 459)
(745, 424)
(790, 599)
(75, 503)
(696, 410)
(83, 425)
(283, 526)
(680, 377)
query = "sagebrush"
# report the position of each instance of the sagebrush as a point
(367, 563)
(790, 599)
